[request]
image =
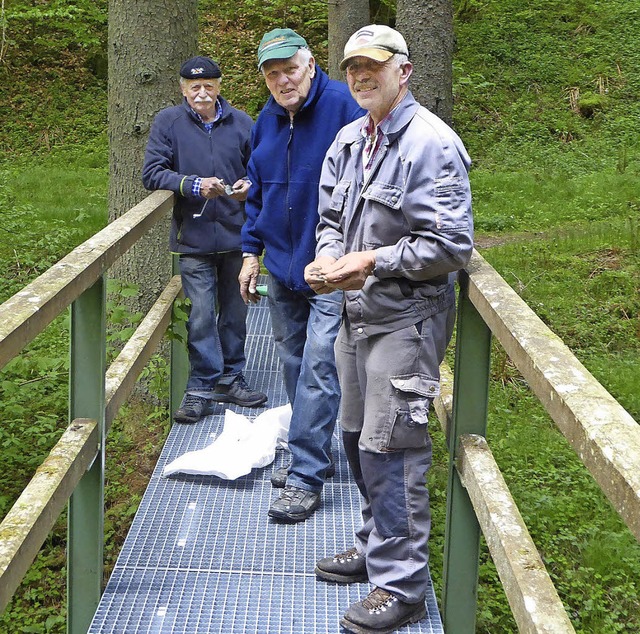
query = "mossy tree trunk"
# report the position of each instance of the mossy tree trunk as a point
(148, 41)
(427, 25)
(345, 17)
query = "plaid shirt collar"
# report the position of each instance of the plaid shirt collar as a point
(373, 136)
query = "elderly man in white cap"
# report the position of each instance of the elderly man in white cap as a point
(395, 226)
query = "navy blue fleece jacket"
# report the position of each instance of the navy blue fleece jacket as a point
(180, 149)
(286, 160)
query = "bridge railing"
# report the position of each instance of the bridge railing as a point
(74, 469)
(603, 434)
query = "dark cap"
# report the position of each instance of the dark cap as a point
(279, 44)
(200, 68)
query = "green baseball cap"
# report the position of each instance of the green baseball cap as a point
(279, 44)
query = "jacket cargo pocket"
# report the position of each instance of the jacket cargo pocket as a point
(413, 395)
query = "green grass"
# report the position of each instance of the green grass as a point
(537, 201)
(584, 282)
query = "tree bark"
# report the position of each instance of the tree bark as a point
(427, 26)
(148, 41)
(345, 17)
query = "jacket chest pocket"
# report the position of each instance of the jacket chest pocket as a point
(385, 222)
(384, 193)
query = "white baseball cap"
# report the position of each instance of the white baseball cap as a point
(376, 41)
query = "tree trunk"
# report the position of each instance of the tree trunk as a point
(345, 17)
(148, 41)
(427, 26)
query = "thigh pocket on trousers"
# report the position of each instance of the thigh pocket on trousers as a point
(412, 397)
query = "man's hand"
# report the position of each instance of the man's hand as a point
(240, 190)
(350, 272)
(211, 187)
(314, 274)
(248, 279)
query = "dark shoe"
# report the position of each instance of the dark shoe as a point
(381, 613)
(239, 393)
(347, 567)
(279, 476)
(191, 410)
(294, 505)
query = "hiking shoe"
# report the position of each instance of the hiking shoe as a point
(347, 567)
(191, 410)
(279, 476)
(381, 613)
(239, 393)
(294, 505)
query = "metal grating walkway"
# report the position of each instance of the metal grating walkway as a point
(203, 557)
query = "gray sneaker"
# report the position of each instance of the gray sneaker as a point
(191, 410)
(294, 505)
(239, 393)
(381, 613)
(347, 567)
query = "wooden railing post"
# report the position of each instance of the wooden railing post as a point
(86, 505)
(470, 403)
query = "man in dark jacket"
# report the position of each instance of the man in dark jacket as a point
(199, 150)
(288, 144)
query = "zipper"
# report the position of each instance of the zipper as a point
(287, 196)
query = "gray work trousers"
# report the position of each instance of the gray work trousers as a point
(388, 382)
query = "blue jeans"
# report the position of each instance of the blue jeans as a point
(215, 343)
(304, 329)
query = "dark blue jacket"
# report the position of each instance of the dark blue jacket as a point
(286, 160)
(178, 150)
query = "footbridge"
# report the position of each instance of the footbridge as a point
(201, 554)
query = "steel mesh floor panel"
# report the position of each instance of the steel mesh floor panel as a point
(202, 555)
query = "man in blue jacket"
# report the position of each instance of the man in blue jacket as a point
(199, 150)
(289, 140)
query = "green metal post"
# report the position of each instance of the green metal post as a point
(86, 505)
(470, 404)
(179, 358)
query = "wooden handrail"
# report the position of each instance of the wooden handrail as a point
(601, 431)
(32, 517)
(31, 310)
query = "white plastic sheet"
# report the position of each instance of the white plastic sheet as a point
(243, 445)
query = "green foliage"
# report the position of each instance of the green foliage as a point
(550, 74)
(53, 75)
(592, 558)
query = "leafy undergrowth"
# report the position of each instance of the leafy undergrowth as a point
(584, 284)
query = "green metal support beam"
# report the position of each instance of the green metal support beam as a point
(470, 404)
(86, 505)
(179, 358)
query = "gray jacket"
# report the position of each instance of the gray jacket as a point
(414, 209)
